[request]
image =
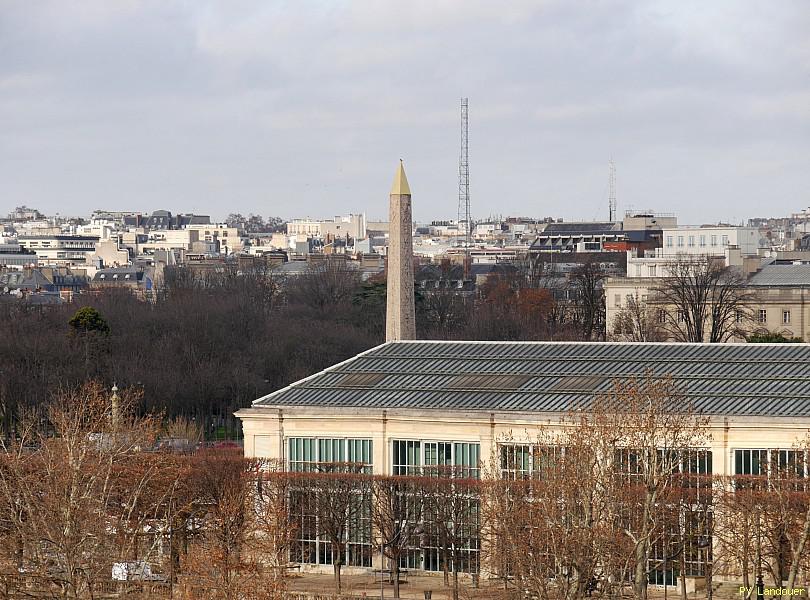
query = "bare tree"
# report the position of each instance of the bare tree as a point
(599, 495)
(703, 300)
(76, 489)
(445, 310)
(452, 522)
(222, 487)
(274, 529)
(739, 512)
(658, 429)
(587, 286)
(240, 527)
(340, 496)
(184, 429)
(548, 513)
(397, 516)
(789, 500)
(332, 282)
(637, 322)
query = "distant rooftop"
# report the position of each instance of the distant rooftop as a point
(578, 228)
(782, 275)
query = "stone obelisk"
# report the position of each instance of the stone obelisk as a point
(400, 315)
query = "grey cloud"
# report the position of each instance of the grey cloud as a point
(303, 107)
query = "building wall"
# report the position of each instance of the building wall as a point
(227, 237)
(16, 261)
(712, 240)
(167, 239)
(304, 227)
(110, 254)
(353, 225)
(786, 311)
(266, 431)
(64, 251)
(775, 301)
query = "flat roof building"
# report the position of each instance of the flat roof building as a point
(400, 407)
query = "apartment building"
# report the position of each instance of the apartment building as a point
(227, 238)
(60, 250)
(782, 302)
(304, 227)
(709, 239)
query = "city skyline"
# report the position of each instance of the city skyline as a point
(296, 110)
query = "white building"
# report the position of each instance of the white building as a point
(101, 228)
(226, 237)
(486, 230)
(168, 239)
(60, 250)
(709, 239)
(352, 225)
(305, 227)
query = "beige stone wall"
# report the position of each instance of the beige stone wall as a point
(266, 430)
(774, 300)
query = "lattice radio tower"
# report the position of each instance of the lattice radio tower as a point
(464, 176)
(612, 191)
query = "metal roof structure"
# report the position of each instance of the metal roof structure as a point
(719, 379)
(578, 228)
(781, 275)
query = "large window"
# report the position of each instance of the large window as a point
(771, 463)
(313, 454)
(311, 546)
(453, 459)
(414, 457)
(407, 457)
(694, 462)
(434, 550)
(690, 533)
(521, 461)
(691, 537)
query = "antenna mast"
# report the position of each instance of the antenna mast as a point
(612, 191)
(464, 178)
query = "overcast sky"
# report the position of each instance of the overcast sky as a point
(303, 108)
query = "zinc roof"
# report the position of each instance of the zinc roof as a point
(787, 275)
(720, 379)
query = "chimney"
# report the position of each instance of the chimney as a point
(400, 317)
